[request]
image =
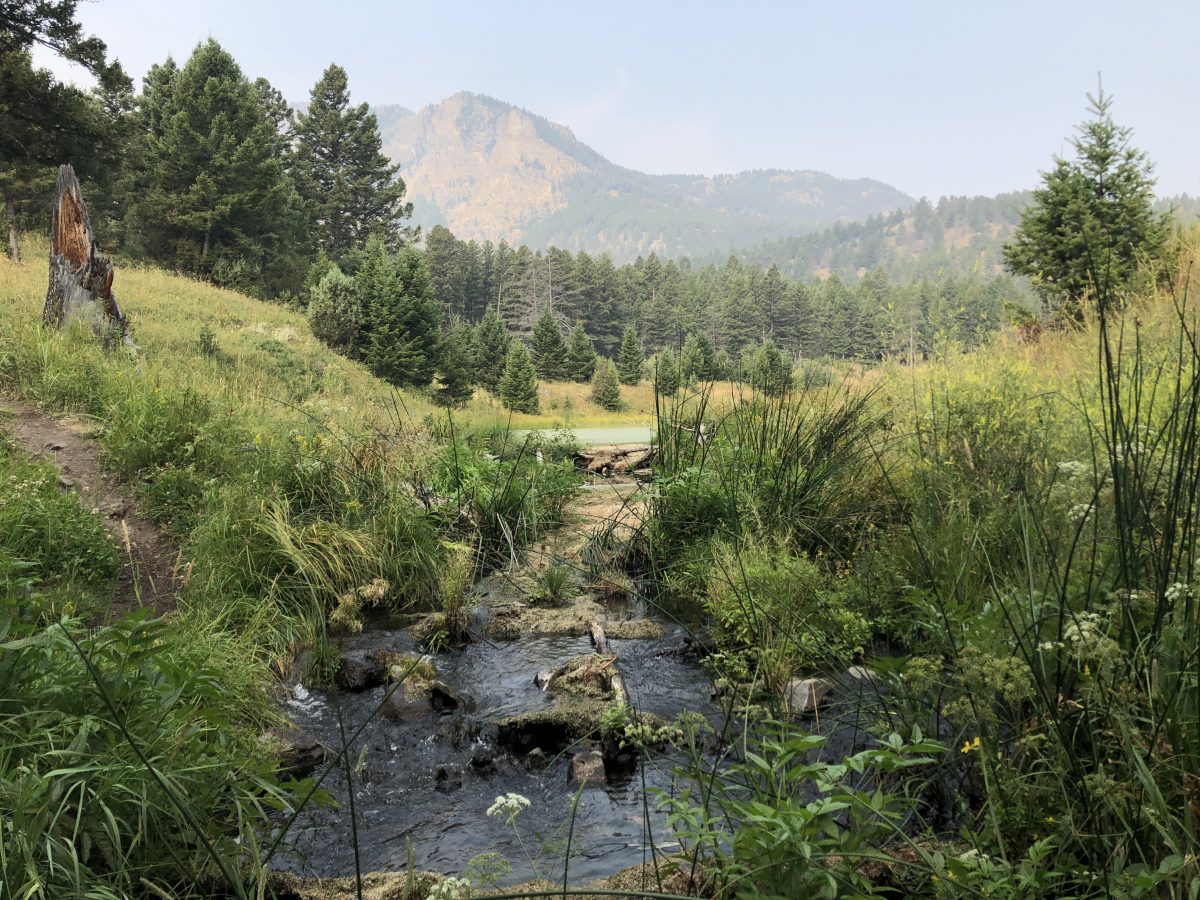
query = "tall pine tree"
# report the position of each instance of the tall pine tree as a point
(455, 365)
(549, 351)
(581, 357)
(213, 196)
(403, 318)
(491, 351)
(630, 360)
(350, 189)
(518, 386)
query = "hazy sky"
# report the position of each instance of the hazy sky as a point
(962, 97)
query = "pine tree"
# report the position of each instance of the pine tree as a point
(606, 387)
(213, 196)
(519, 387)
(491, 351)
(630, 360)
(581, 357)
(769, 371)
(335, 313)
(696, 359)
(666, 373)
(549, 351)
(1092, 224)
(350, 189)
(403, 320)
(455, 365)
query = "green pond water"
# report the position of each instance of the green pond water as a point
(596, 437)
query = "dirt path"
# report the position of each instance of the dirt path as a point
(149, 558)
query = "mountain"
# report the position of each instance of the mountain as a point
(491, 171)
(956, 236)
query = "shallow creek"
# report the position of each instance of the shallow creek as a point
(430, 780)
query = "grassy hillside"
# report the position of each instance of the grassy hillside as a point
(297, 489)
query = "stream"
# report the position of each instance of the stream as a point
(431, 779)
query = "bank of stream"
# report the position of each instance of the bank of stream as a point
(424, 778)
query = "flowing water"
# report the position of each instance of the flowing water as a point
(417, 783)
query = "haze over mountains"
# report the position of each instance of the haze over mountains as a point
(491, 171)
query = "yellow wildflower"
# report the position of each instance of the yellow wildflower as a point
(969, 746)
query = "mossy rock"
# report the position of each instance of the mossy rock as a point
(634, 629)
(554, 728)
(587, 676)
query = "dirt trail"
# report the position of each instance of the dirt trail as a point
(149, 558)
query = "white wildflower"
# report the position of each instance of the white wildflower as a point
(509, 805)
(450, 888)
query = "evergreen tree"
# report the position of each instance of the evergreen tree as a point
(213, 196)
(606, 386)
(630, 360)
(403, 319)
(768, 370)
(666, 373)
(445, 255)
(581, 357)
(696, 359)
(348, 186)
(1092, 222)
(519, 386)
(335, 313)
(455, 364)
(491, 351)
(724, 368)
(549, 351)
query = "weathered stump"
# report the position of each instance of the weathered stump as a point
(81, 277)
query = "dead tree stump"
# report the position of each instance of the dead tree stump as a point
(81, 277)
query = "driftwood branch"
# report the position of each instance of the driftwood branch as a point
(600, 642)
(81, 278)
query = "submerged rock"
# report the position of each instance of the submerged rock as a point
(360, 671)
(804, 695)
(585, 676)
(403, 703)
(634, 628)
(447, 779)
(444, 698)
(483, 760)
(536, 759)
(587, 768)
(298, 752)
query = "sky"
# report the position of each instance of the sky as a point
(935, 98)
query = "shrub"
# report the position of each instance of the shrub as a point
(782, 607)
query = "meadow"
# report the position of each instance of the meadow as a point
(1004, 540)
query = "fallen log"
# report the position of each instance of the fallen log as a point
(600, 642)
(620, 460)
(81, 278)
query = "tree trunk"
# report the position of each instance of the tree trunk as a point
(14, 240)
(80, 277)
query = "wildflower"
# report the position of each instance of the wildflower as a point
(1087, 670)
(1049, 820)
(510, 805)
(969, 746)
(1178, 591)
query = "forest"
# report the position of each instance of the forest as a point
(316, 583)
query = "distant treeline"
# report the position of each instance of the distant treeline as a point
(736, 305)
